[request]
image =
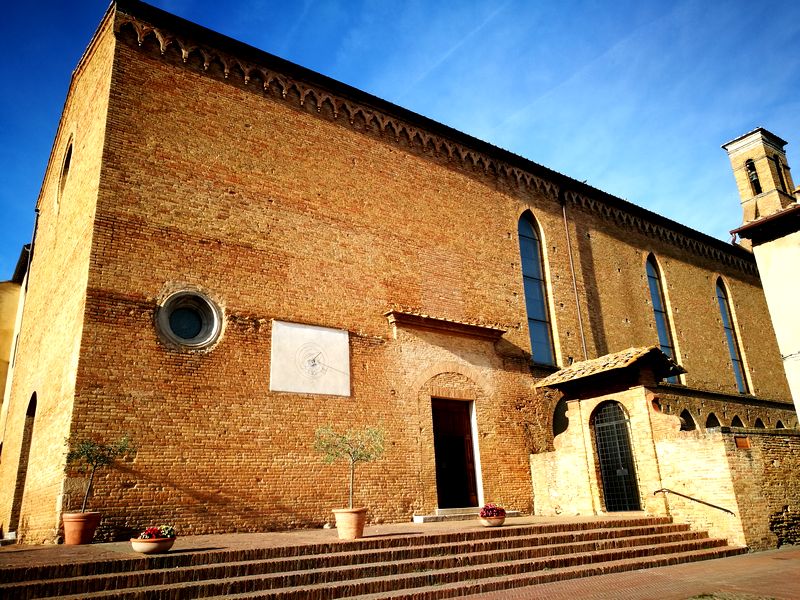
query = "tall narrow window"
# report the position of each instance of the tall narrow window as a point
(752, 175)
(779, 169)
(660, 312)
(730, 336)
(530, 249)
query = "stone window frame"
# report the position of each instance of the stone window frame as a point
(210, 312)
(542, 280)
(733, 339)
(662, 313)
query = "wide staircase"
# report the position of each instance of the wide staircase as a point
(435, 565)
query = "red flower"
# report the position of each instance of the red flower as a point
(492, 510)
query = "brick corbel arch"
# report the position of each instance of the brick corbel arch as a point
(441, 367)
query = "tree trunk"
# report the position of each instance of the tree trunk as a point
(88, 489)
(352, 479)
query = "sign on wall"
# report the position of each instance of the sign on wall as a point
(309, 360)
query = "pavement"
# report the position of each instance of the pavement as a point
(771, 574)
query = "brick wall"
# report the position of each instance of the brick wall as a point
(765, 469)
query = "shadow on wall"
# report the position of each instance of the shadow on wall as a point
(786, 526)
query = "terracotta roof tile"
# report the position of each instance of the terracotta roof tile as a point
(608, 362)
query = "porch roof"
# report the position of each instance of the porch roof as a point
(662, 365)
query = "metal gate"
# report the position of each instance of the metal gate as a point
(613, 446)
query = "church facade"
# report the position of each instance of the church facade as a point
(233, 251)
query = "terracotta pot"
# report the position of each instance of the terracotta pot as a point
(152, 545)
(79, 528)
(492, 521)
(350, 522)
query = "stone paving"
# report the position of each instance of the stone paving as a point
(772, 574)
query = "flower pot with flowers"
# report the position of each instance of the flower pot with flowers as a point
(89, 455)
(492, 515)
(352, 446)
(155, 540)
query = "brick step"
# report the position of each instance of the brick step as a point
(467, 552)
(459, 582)
(567, 531)
(493, 584)
(391, 576)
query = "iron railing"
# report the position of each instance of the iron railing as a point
(669, 491)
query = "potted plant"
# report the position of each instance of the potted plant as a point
(492, 515)
(353, 446)
(89, 455)
(154, 540)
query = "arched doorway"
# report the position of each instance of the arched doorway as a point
(615, 458)
(22, 466)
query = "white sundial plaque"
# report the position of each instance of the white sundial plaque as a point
(309, 360)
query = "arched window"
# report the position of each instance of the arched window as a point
(660, 312)
(530, 249)
(712, 421)
(779, 425)
(752, 176)
(730, 336)
(736, 421)
(759, 424)
(687, 422)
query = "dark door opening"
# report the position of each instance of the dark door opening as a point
(617, 470)
(452, 443)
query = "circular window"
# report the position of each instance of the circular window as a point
(189, 319)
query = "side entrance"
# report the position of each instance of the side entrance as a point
(453, 447)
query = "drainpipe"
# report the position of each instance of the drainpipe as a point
(562, 199)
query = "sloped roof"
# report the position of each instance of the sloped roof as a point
(663, 365)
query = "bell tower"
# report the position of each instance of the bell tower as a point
(762, 174)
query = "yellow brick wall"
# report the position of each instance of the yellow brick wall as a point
(48, 355)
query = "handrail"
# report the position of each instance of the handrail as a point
(669, 491)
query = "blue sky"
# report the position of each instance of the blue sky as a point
(634, 97)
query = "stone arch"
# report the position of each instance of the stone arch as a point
(560, 418)
(712, 421)
(687, 421)
(613, 450)
(736, 421)
(759, 424)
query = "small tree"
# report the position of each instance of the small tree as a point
(354, 446)
(90, 455)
